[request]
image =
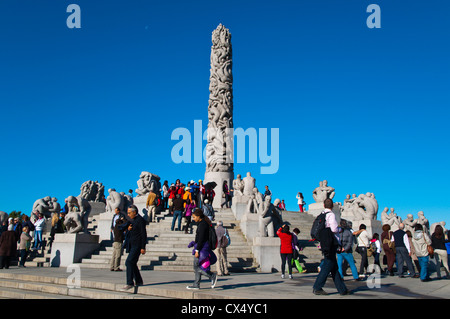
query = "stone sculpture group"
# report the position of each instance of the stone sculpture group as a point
(147, 183)
(362, 207)
(93, 191)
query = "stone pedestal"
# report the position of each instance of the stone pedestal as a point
(372, 226)
(219, 177)
(140, 203)
(239, 206)
(71, 248)
(267, 253)
(104, 226)
(250, 226)
(316, 208)
(97, 208)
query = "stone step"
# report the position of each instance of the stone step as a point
(30, 289)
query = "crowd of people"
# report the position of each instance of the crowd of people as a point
(400, 247)
(193, 202)
(16, 237)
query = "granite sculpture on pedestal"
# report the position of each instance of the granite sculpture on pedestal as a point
(238, 186)
(390, 219)
(93, 191)
(76, 219)
(409, 223)
(219, 148)
(323, 192)
(423, 221)
(72, 220)
(147, 183)
(363, 207)
(43, 206)
(113, 201)
(54, 206)
(320, 194)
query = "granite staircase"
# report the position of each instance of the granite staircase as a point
(168, 250)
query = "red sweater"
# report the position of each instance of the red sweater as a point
(286, 242)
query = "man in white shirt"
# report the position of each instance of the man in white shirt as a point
(363, 244)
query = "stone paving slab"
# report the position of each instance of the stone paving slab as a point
(239, 285)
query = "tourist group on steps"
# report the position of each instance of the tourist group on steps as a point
(337, 242)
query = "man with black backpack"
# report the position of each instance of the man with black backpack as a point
(329, 244)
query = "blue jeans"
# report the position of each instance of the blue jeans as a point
(423, 262)
(351, 263)
(177, 214)
(37, 239)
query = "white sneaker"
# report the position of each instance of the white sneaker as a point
(192, 288)
(282, 276)
(290, 277)
(214, 281)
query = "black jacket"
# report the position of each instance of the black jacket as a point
(328, 243)
(202, 234)
(137, 236)
(178, 204)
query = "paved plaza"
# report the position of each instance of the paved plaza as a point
(165, 284)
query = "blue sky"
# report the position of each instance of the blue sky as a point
(366, 109)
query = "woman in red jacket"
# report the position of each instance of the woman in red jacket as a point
(286, 250)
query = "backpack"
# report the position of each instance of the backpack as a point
(372, 249)
(226, 240)
(318, 225)
(212, 238)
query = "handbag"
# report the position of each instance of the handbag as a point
(430, 251)
(389, 242)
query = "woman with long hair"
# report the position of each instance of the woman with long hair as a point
(440, 251)
(204, 226)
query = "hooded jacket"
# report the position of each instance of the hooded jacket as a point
(420, 241)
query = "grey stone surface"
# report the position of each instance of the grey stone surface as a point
(172, 284)
(71, 248)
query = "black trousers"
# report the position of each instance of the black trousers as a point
(286, 258)
(364, 261)
(132, 267)
(5, 261)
